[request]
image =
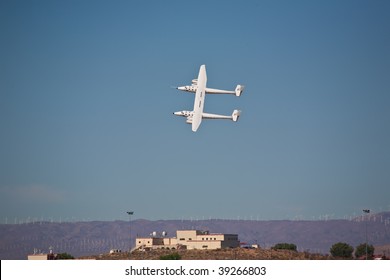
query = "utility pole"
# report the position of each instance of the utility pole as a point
(367, 211)
(130, 213)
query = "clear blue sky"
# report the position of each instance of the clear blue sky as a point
(87, 131)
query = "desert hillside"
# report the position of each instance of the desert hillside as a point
(219, 254)
(99, 237)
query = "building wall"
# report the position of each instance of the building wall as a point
(168, 241)
(148, 241)
(211, 237)
(141, 241)
(203, 245)
(155, 242)
(37, 257)
(230, 241)
(195, 239)
(187, 235)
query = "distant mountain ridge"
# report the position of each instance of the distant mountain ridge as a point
(91, 238)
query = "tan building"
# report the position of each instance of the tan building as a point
(156, 242)
(38, 257)
(190, 239)
(41, 257)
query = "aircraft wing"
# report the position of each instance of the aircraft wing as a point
(199, 98)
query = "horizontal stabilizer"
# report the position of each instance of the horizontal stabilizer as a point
(236, 115)
(239, 90)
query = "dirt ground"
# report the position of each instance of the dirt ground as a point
(219, 254)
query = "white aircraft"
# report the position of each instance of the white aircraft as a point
(194, 86)
(195, 117)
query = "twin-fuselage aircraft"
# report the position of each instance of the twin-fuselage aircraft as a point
(199, 88)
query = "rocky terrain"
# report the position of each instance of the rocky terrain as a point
(220, 254)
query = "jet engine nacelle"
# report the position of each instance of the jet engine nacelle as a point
(195, 81)
(189, 120)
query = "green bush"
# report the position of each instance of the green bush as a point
(360, 251)
(341, 250)
(174, 256)
(285, 246)
(64, 256)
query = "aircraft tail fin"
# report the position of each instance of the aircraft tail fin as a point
(239, 89)
(236, 115)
